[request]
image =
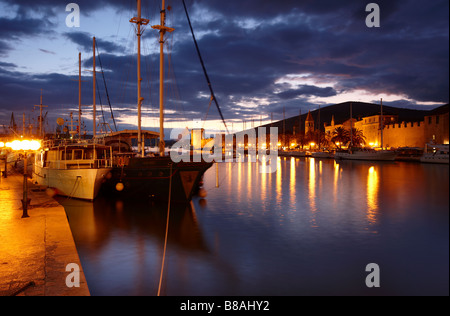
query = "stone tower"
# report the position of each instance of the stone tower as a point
(309, 124)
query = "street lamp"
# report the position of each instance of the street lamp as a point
(5, 173)
(24, 147)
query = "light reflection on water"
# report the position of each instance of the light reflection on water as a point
(310, 228)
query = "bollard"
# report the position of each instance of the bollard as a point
(25, 200)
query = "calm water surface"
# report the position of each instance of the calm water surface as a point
(308, 229)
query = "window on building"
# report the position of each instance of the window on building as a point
(429, 119)
(437, 119)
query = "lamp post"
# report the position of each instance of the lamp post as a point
(24, 147)
(5, 173)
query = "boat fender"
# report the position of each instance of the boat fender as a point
(51, 192)
(202, 193)
(119, 186)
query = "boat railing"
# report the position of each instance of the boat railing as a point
(66, 142)
(80, 164)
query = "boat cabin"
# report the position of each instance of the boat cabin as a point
(75, 157)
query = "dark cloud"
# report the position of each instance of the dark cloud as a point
(306, 90)
(21, 25)
(85, 41)
(247, 46)
(47, 51)
(50, 7)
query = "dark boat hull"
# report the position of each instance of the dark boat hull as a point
(156, 177)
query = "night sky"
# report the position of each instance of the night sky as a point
(261, 56)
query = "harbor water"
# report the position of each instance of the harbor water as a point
(310, 228)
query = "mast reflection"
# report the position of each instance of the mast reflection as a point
(93, 222)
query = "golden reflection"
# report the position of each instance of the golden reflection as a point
(278, 181)
(230, 176)
(263, 180)
(292, 181)
(249, 175)
(336, 180)
(312, 191)
(239, 180)
(372, 195)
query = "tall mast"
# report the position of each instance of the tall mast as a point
(320, 130)
(351, 126)
(284, 128)
(40, 115)
(79, 95)
(382, 124)
(162, 31)
(93, 102)
(139, 22)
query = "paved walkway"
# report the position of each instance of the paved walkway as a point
(35, 251)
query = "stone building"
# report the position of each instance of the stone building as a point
(309, 124)
(390, 133)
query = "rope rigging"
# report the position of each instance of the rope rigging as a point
(204, 69)
(106, 88)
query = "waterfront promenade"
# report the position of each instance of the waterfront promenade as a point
(35, 251)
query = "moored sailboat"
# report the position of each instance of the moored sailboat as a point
(70, 167)
(366, 154)
(356, 153)
(73, 169)
(155, 177)
(435, 154)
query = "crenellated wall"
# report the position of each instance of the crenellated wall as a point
(404, 134)
(434, 128)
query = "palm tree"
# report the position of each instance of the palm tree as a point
(359, 139)
(340, 137)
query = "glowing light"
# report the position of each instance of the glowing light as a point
(2, 144)
(24, 145)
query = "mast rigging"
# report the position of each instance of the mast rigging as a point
(204, 68)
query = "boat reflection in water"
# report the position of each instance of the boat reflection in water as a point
(121, 242)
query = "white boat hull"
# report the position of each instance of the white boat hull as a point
(431, 158)
(322, 155)
(76, 183)
(292, 153)
(368, 156)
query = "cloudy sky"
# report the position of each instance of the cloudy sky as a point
(262, 56)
